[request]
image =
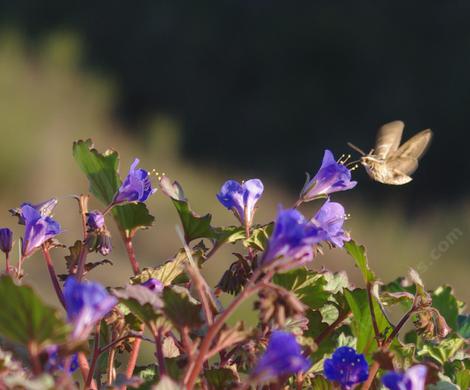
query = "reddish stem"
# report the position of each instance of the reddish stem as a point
(131, 254)
(50, 268)
(94, 359)
(159, 352)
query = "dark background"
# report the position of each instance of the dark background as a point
(267, 85)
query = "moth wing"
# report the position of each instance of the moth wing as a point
(415, 147)
(406, 165)
(388, 138)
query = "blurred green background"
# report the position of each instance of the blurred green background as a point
(51, 94)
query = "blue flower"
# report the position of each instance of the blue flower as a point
(56, 363)
(413, 379)
(331, 177)
(136, 186)
(329, 220)
(6, 240)
(346, 367)
(283, 356)
(241, 198)
(44, 209)
(38, 229)
(291, 243)
(95, 220)
(153, 285)
(86, 304)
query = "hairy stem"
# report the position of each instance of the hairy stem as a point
(372, 315)
(341, 318)
(213, 330)
(131, 253)
(159, 352)
(375, 366)
(94, 358)
(53, 275)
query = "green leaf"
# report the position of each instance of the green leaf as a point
(444, 300)
(307, 285)
(171, 270)
(362, 322)
(259, 237)
(444, 350)
(227, 235)
(167, 384)
(142, 302)
(463, 326)
(25, 318)
(101, 170)
(181, 308)
(220, 378)
(320, 383)
(358, 253)
(194, 225)
(462, 378)
(149, 374)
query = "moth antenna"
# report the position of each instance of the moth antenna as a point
(359, 150)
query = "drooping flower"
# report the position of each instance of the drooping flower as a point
(292, 240)
(329, 220)
(413, 379)
(38, 229)
(283, 356)
(136, 186)
(241, 198)
(6, 240)
(86, 304)
(153, 285)
(56, 363)
(331, 177)
(346, 367)
(95, 220)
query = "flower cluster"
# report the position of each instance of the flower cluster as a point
(304, 310)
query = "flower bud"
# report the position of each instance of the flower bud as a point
(6, 239)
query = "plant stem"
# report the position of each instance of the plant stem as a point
(85, 369)
(110, 367)
(50, 268)
(134, 354)
(34, 357)
(7, 263)
(332, 327)
(81, 261)
(94, 359)
(213, 330)
(372, 315)
(131, 253)
(375, 366)
(159, 352)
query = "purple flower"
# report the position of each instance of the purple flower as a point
(56, 363)
(136, 186)
(6, 240)
(413, 379)
(44, 209)
(283, 356)
(241, 198)
(86, 304)
(153, 285)
(38, 229)
(331, 177)
(346, 367)
(95, 220)
(329, 220)
(292, 240)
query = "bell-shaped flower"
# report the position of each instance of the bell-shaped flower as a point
(38, 229)
(412, 379)
(6, 240)
(329, 220)
(241, 198)
(331, 177)
(292, 241)
(86, 304)
(346, 367)
(283, 356)
(136, 186)
(95, 220)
